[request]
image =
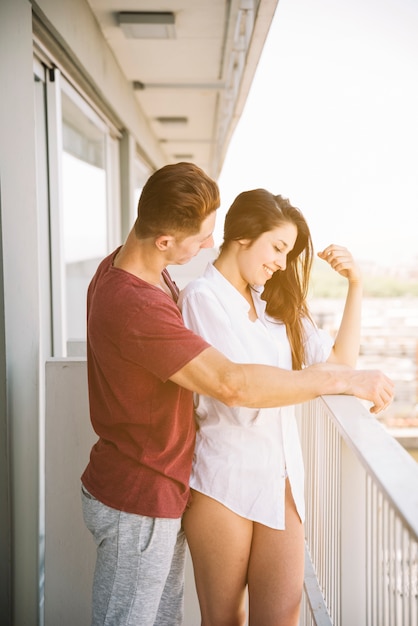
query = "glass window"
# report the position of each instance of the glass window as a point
(84, 201)
(84, 186)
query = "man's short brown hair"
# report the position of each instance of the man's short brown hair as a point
(176, 199)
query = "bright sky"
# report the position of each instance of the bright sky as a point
(332, 123)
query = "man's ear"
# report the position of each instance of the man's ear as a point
(164, 242)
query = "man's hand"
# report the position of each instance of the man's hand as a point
(371, 385)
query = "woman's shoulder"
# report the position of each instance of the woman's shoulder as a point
(202, 285)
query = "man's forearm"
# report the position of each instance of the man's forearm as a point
(263, 386)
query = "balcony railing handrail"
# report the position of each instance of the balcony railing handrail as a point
(389, 464)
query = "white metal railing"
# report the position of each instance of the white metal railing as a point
(361, 519)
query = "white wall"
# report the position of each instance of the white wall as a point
(69, 548)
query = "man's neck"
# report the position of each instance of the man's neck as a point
(141, 258)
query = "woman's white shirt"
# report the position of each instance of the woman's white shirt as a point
(242, 456)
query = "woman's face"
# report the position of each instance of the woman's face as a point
(260, 259)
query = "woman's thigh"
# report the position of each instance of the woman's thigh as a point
(275, 573)
(219, 542)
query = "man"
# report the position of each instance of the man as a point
(143, 365)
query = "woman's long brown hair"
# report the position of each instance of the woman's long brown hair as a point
(286, 292)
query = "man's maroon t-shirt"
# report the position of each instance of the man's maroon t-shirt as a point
(136, 340)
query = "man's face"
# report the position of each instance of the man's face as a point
(186, 248)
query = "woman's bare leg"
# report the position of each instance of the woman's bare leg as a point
(275, 573)
(219, 542)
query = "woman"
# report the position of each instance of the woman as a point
(244, 524)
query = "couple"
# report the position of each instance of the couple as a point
(246, 346)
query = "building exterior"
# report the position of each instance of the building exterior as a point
(87, 112)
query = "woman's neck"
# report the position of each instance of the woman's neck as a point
(227, 265)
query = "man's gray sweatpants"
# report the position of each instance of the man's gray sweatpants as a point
(139, 575)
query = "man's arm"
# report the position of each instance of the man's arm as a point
(259, 386)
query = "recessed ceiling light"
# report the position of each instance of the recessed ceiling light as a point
(172, 120)
(147, 25)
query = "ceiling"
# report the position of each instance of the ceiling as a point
(191, 88)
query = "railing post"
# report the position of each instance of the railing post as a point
(353, 540)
